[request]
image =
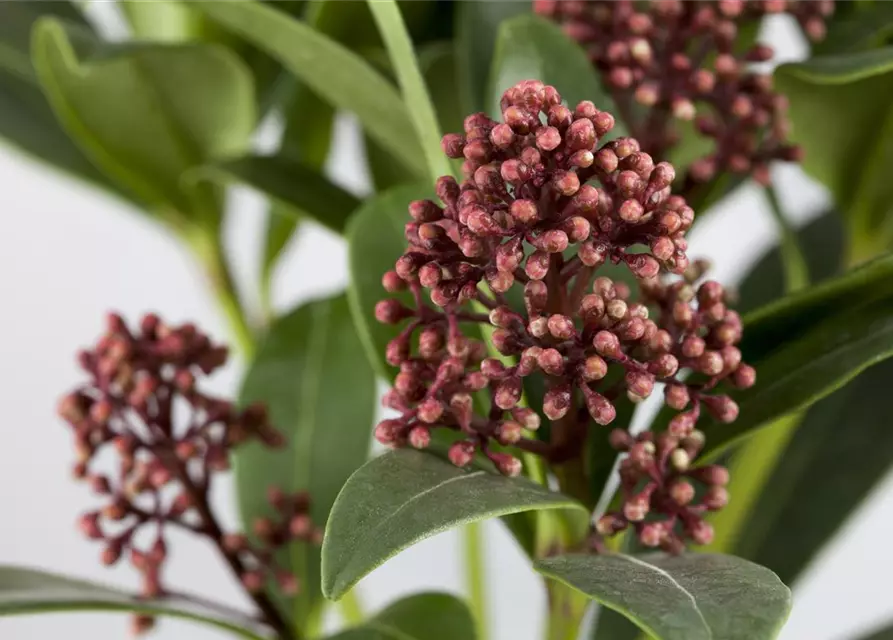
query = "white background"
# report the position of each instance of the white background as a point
(68, 254)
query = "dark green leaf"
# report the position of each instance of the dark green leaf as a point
(320, 392)
(405, 496)
(477, 25)
(689, 597)
(30, 591)
(426, 616)
(375, 241)
(531, 47)
(806, 369)
(439, 66)
(415, 94)
(863, 27)
(882, 634)
(848, 432)
(331, 70)
(300, 190)
(145, 114)
(848, 155)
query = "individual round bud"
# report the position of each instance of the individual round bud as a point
(682, 424)
(551, 361)
(609, 524)
(387, 431)
(715, 498)
(548, 138)
(693, 347)
(607, 344)
(506, 464)
(652, 534)
(723, 408)
(508, 393)
(701, 532)
(682, 492)
(710, 363)
(636, 508)
(592, 308)
(600, 408)
(680, 460)
(557, 402)
(508, 432)
(676, 396)
(561, 327)
(420, 437)
(639, 384)
(461, 453)
(744, 377)
(592, 369)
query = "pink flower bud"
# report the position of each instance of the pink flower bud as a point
(461, 453)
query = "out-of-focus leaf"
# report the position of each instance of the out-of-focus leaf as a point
(320, 392)
(330, 69)
(404, 497)
(690, 597)
(866, 25)
(477, 26)
(146, 114)
(31, 591)
(848, 156)
(299, 190)
(882, 634)
(530, 47)
(425, 616)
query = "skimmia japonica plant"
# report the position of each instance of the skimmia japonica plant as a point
(525, 275)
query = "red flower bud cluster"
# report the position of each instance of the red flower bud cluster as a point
(542, 207)
(683, 60)
(659, 497)
(143, 403)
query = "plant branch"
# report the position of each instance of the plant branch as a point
(796, 272)
(473, 538)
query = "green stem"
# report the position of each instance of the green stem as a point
(210, 253)
(473, 537)
(567, 607)
(796, 271)
(351, 608)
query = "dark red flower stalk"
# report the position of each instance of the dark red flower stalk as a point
(683, 60)
(143, 402)
(542, 207)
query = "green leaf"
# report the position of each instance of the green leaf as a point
(331, 70)
(868, 26)
(882, 634)
(688, 597)
(415, 93)
(440, 67)
(26, 120)
(320, 392)
(848, 432)
(299, 190)
(166, 21)
(145, 114)
(375, 241)
(848, 155)
(30, 591)
(530, 47)
(403, 497)
(425, 616)
(805, 370)
(477, 25)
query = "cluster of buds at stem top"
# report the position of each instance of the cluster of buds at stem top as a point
(529, 216)
(143, 403)
(659, 486)
(685, 60)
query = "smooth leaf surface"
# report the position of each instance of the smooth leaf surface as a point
(530, 47)
(146, 114)
(31, 591)
(415, 93)
(375, 241)
(850, 160)
(857, 27)
(688, 597)
(477, 26)
(403, 497)
(300, 190)
(330, 69)
(425, 616)
(320, 392)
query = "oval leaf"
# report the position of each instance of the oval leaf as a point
(320, 392)
(403, 497)
(426, 616)
(530, 47)
(30, 591)
(330, 69)
(300, 190)
(688, 597)
(849, 159)
(145, 114)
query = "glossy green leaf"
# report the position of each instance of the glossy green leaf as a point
(31, 591)
(404, 497)
(425, 616)
(440, 67)
(145, 114)
(412, 85)
(477, 26)
(806, 369)
(300, 190)
(857, 27)
(530, 47)
(164, 21)
(331, 70)
(375, 241)
(688, 597)
(848, 432)
(848, 155)
(320, 392)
